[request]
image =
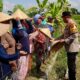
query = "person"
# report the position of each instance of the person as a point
(50, 25)
(9, 44)
(29, 29)
(40, 43)
(23, 39)
(43, 18)
(71, 43)
(5, 58)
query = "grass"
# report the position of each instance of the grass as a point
(78, 67)
(60, 67)
(76, 17)
(33, 75)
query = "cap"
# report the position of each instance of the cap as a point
(66, 13)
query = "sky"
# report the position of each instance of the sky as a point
(9, 4)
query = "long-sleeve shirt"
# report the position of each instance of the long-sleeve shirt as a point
(6, 57)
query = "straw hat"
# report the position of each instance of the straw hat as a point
(4, 17)
(46, 31)
(4, 28)
(19, 14)
(56, 46)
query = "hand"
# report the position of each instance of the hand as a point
(61, 40)
(23, 53)
(19, 46)
(6, 46)
(13, 65)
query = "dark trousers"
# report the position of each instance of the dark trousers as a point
(71, 61)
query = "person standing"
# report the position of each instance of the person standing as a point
(71, 43)
(50, 25)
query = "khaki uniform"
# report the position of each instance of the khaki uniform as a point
(72, 47)
(71, 37)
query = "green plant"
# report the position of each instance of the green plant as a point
(1, 5)
(41, 5)
(32, 11)
(61, 65)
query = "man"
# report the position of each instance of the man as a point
(70, 39)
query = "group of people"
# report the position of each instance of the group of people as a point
(21, 40)
(25, 38)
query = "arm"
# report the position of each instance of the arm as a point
(6, 57)
(73, 33)
(71, 38)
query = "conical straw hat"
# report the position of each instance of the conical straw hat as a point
(46, 31)
(19, 14)
(4, 28)
(4, 17)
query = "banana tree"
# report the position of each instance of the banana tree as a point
(56, 9)
(32, 11)
(41, 5)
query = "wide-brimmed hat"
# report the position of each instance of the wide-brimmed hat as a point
(20, 14)
(4, 17)
(4, 28)
(46, 32)
(56, 45)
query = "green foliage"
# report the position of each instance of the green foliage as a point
(76, 17)
(74, 11)
(19, 7)
(61, 64)
(1, 5)
(55, 9)
(32, 11)
(41, 5)
(44, 3)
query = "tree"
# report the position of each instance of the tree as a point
(32, 11)
(55, 9)
(74, 11)
(41, 5)
(1, 5)
(19, 7)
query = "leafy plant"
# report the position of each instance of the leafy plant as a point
(55, 9)
(32, 11)
(1, 5)
(41, 5)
